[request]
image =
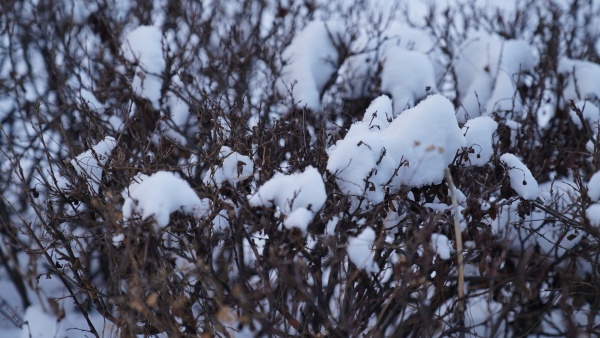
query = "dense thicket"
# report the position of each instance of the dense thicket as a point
(95, 99)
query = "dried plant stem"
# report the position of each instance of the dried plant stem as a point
(459, 248)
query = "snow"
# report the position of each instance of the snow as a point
(478, 134)
(481, 313)
(143, 46)
(299, 218)
(590, 113)
(379, 114)
(409, 59)
(360, 250)
(413, 150)
(441, 245)
(179, 112)
(310, 61)
(521, 179)
(582, 79)
(553, 240)
(487, 69)
(117, 240)
(594, 187)
(407, 76)
(299, 196)
(161, 194)
(89, 164)
(235, 168)
(40, 324)
(593, 214)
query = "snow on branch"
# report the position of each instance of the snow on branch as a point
(159, 195)
(413, 150)
(143, 46)
(310, 61)
(299, 196)
(89, 164)
(521, 179)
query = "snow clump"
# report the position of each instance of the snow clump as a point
(360, 250)
(594, 187)
(299, 196)
(143, 46)
(582, 79)
(478, 133)
(411, 66)
(487, 70)
(89, 163)
(413, 150)
(593, 214)
(235, 168)
(161, 194)
(593, 211)
(441, 245)
(407, 76)
(521, 179)
(590, 114)
(310, 62)
(41, 324)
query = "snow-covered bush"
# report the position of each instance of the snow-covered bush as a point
(299, 168)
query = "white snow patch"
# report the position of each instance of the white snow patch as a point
(89, 163)
(379, 114)
(143, 46)
(235, 168)
(583, 79)
(408, 76)
(360, 250)
(117, 240)
(39, 324)
(413, 150)
(441, 245)
(590, 114)
(296, 195)
(478, 133)
(309, 63)
(594, 187)
(409, 57)
(593, 214)
(161, 194)
(487, 70)
(521, 179)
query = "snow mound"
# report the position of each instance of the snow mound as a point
(582, 81)
(160, 195)
(379, 114)
(360, 250)
(408, 56)
(594, 187)
(235, 168)
(479, 135)
(299, 196)
(593, 214)
(143, 46)
(310, 61)
(39, 324)
(441, 245)
(413, 150)
(590, 113)
(487, 70)
(408, 76)
(178, 111)
(89, 164)
(521, 179)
